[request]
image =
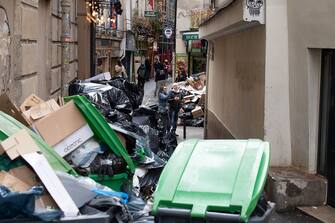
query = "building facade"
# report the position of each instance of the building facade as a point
(31, 48)
(189, 48)
(270, 77)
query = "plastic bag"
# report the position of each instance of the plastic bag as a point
(130, 89)
(14, 204)
(103, 96)
(85, 154)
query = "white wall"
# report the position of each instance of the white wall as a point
(183, 22)
(276, 109)
(310, 26)
(236, 83)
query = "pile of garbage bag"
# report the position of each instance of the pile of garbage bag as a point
(193, 92)
(96, 154)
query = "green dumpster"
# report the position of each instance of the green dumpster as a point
(9, 126)
(104, 133)
(213, 181)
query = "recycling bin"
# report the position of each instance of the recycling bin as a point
(214, 181)
(106, 134)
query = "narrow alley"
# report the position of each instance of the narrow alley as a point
(167, 111)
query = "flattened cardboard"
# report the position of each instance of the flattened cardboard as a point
(60, 124)
(30, 102)
(18, 144)
(29, 177)
(197, 112)
(25, 174)
(43, 109)
(21, 144)
(8, 107)
(13, 183)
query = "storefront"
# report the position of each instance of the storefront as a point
(196, 52)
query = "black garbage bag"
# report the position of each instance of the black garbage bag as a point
(145, 116)
(117, 116)
(112, 206)
(142, 152)
(138, 210)
(130, 89)
(105, 98)
(186, 116)
(169, 143)
(153, 137)
(149, 182)
(189, 107)
(197, 122)
(14, 204)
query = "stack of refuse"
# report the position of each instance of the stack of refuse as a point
(95, 155)
(193, 91)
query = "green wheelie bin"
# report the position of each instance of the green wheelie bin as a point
(214, 181)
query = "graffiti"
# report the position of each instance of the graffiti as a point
(254, 7)
(5, 79)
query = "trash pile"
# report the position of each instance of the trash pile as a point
(96, 154)
(193, 91)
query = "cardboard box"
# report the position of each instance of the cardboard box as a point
(73, 141)
(202, 99)
(13, 183)
(60, 124)
(29, 177)
(197, 112)
(21, 144)
(8, 107)
(41, 110)
(30, 102)
(188, 98)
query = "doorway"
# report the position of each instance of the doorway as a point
(326, 156)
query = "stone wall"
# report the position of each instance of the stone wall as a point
(35, 47)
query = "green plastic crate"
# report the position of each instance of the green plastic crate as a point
(212, 179)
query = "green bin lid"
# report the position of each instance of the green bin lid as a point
(214, 176)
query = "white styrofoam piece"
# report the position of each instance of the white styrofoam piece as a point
(52, 183)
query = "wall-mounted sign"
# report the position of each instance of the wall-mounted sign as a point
(254, 10)
(150, 13)
(168, 32)
(190, 36)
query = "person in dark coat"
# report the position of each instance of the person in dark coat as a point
(147, 69)
(159, 74)
(174, 107)
(141, 72)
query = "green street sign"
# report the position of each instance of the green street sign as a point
(193, 36)
(150, 13)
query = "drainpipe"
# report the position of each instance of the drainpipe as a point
(65, 44)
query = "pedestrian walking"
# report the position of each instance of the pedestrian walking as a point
(120, 70)
(167, 69)
(174, 107)
(141, 72)
(159, 74)
(147, 69)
